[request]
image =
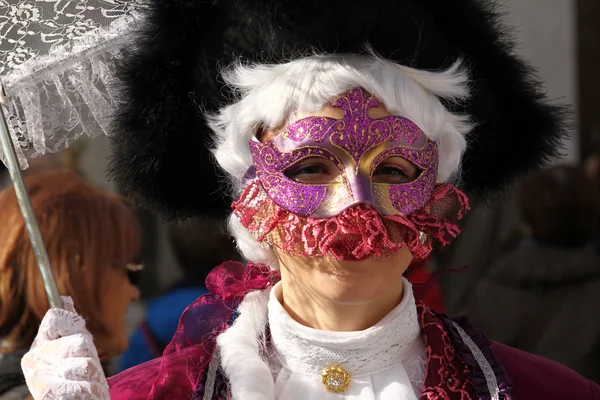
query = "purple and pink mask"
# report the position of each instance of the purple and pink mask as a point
(355, 144)
(353, 216)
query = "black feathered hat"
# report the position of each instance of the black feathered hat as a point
(160, 147)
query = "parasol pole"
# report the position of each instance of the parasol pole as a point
(33, 229)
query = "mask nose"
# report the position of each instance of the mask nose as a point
(360, 188)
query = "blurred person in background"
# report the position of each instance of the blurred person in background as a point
(543, 296)
(199, 244)
(591, 166)
(91, 237)
(45, 163)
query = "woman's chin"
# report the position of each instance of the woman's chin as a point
(119, 345)
(356, 286)
(391, 265)
(348, 282)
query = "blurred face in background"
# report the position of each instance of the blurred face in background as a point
(90, 236)
(118, 291)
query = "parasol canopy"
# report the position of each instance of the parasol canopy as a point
(57, 60)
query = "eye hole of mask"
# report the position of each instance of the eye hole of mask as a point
(318, 170)
(394, 171)
(315, 170)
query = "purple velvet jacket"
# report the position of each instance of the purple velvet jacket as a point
(535, 377)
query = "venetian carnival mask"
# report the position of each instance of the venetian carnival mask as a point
(356, 146)
(355, 214)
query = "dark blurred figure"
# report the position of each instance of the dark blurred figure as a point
(544, 295)
(4, 177)
(591, 165)
(199, 246)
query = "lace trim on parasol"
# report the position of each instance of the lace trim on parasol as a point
(54, 99)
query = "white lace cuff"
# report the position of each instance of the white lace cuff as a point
(63, 362)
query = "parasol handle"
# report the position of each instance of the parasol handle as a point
(33, 229)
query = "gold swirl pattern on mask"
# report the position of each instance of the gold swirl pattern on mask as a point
(270, 163)
(284, 192)
(362, 133)
(270, 159)
(357, 145)
(423, 158)
(315, 128)
(410, 197)
(381, 197)
(339, 196)
(404, 129)
(365, 134)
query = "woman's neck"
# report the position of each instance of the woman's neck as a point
(319, 312)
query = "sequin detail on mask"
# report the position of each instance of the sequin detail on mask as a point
(355, 145)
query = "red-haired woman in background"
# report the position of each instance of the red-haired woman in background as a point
(92, 238)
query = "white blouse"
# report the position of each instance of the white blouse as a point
(385, 362)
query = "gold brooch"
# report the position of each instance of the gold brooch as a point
(336, 379)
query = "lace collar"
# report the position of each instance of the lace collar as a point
(395, 339)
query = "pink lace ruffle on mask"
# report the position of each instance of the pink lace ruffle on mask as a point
(357, 233)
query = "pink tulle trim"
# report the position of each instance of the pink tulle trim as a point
(182, 371)
(187, 356)
(358, 232)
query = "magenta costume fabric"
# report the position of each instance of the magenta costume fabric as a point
(181, 371)
(452, 371)
(535, 377)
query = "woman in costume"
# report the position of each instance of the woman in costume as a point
(92, 238)
(342, 127)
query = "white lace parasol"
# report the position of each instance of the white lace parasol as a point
(57, 64)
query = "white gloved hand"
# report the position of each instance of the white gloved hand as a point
(63, 362)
